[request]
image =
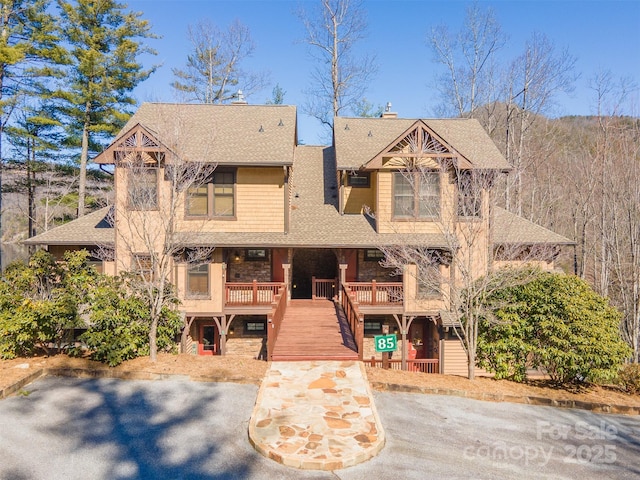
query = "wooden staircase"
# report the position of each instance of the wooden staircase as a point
(314, 330)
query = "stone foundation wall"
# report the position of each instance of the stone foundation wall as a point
(251, 347)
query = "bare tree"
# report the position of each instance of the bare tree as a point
(339, 79)
(149, 240)
(468, 58)
(471, 265)
(213, 73)
(535, 78)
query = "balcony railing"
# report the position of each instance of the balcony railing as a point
(423, 365)
(377, 293)
(323, 288)
(253, 293)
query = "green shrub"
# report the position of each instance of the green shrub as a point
(556, 322)
(629, 378)
(120, 324)
(40, 301)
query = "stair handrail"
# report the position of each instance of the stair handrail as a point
(274, 319)
(355, 318)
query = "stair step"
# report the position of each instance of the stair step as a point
(311, 330)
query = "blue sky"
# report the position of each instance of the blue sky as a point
(601, 34)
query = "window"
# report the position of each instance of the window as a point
(373, 255)
(143, 188)
(223, 194)
(213, 199)
(372, 327)
(416, 194)
(255, 327)
(256, 254)
(359, 179)
(143, 266)
(198, 201)
(429, 283)
(198, 280)
(469, 196)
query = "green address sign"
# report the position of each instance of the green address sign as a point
(386, 343)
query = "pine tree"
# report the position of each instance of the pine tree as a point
(105, 43)
(29, 53)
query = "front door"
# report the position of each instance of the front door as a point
(416, 337)
(207, 344)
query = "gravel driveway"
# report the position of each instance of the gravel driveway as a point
(64, 428)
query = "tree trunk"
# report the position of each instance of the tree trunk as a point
(153, 340)
(84, 156)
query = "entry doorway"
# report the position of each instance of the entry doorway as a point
(307, 263)
(208, 339)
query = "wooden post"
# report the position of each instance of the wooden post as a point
(342, 279)
(385, 355)
(374, 297)
(255, 292)
(313, 288)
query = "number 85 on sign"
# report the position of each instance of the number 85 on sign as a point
(385, 343)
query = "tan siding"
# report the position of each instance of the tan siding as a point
(357, 198)
(455, 360)
(211, 305)
(260, 204)
(384, 211)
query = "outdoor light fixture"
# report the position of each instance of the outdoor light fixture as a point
(231, 330)
(236, 256)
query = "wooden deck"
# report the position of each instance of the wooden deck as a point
(314, 330)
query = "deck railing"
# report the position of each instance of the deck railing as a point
(377, 293)
(354, 317)
(424, 365)
(253, 293)
(323, 288)
(274, 319)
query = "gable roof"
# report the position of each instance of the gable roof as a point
(95, 228)
(509, 228)
(224, 134)
(359, 140)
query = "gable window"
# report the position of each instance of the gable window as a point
(416, 194)
(142, 188)
(359, 179)
(198, 280)
(215, 198)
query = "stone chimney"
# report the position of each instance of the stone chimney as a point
(388, 113)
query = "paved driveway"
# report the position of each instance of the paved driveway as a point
(110, 429)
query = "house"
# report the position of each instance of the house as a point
(286, 225)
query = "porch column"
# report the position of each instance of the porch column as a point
(221, 323)
(343, 279)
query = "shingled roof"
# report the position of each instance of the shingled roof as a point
(224, 134)
(509, 228)
(315, 220)
(96, 228)
(358, 140)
